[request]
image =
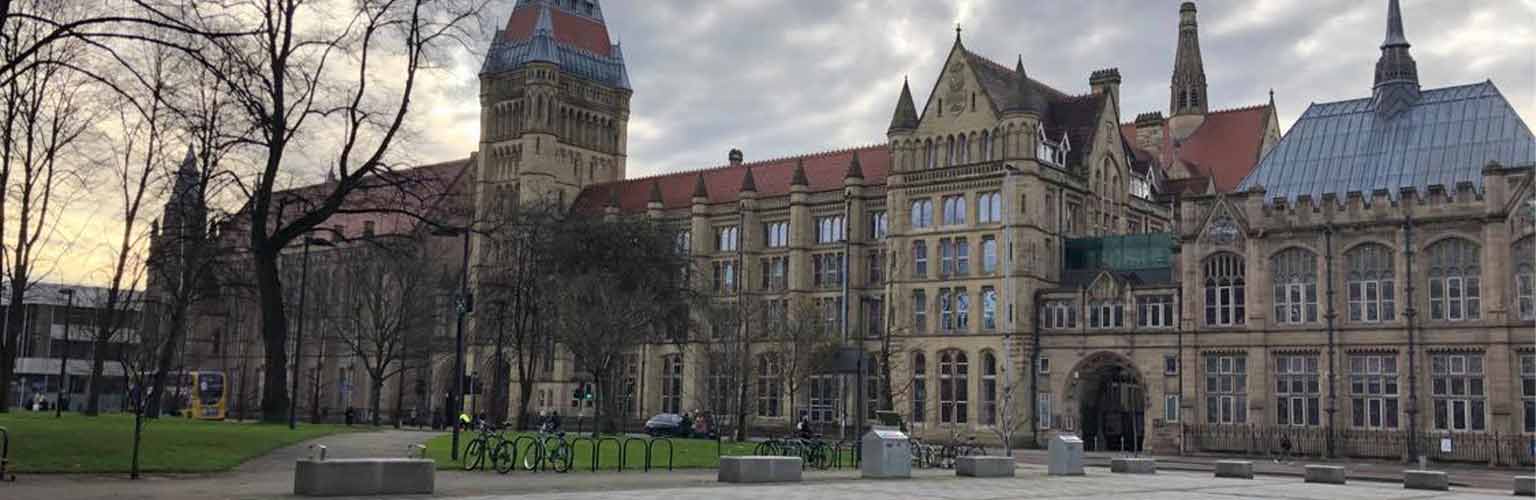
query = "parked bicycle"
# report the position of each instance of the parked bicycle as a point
(558, 455)
(813, 451)
(488, 444)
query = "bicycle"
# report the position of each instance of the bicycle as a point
(487, 443)
(559, 456)
(950, 452)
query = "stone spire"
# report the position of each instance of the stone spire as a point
(799, 176)
(1397, 75)
(905, 117)
(1187, 92)
(855, 171)
(1024, 98)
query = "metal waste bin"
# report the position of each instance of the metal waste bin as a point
(1066, 455)
(886, 453)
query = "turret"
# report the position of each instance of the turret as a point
(1396, 87)
(1187, 91)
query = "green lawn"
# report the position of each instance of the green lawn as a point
(688, 453)
(41, 443)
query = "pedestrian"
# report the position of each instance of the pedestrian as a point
(351, 413)
(1285, 449)
(39, 402)
(804, 427)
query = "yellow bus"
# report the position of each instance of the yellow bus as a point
(202, 395)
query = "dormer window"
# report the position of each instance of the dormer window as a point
(1052, 153)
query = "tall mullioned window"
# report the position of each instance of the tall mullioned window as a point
(1224, 296)
(726, 238)
(1059, 314)
(988, 388)
(1454, 279)
(919, 387)
(879, 226)
(988, 254)
(919, 311)
(770, 385)
(954, 394)
(1525, 278)
(988, 308)
(829, 229)
(1373, 390)
(989, 207)
(1296, 390)
(1370, 280)
(776, 234)
(1528, 391)
(672, 383)
(1154, 311)
(919, 259)
(1226, 381)
(922, 213)
(1458, 391)
(954, 210)
(1295, 279)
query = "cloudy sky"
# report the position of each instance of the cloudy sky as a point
(781, 77)
(785, 77)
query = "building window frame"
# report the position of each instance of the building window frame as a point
(1293, 273)
(954, 388)
(1455, 275)
(1373, 391)
(1459, 392)
(1297, 391)
(1226, 380)
(1370, 283)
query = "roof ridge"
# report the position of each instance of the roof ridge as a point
(1009, 70)
(1238, 109)
(756, 163)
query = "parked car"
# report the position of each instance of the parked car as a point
(666, 424)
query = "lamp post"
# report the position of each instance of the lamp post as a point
(298, 340)
(69, 310)
(465, 305)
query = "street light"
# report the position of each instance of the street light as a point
(69, 310)
(465, 305)
(298, 340)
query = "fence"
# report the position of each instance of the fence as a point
(1490, 448)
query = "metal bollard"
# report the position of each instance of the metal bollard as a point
(317, 447)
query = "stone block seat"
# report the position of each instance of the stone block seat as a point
(364, 477)
(1326, 474)
(755, 469)
(1426, 480)
(1133, 465)
(1525, 485)
(982, 466)
(1241, 469)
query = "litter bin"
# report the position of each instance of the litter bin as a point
(1066, 453)
(886, 454)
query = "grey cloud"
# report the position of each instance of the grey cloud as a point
(777, 78)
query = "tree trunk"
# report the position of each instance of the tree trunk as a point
(400, 394)
(163, 363)
(13, 326)
(93, 387)
(274, 333)
(375, 390)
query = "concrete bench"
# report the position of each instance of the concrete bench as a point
(1133, 465)
(364, 477)
(1326, 474)
(976, 466)
(1525, 485)
(759, 469)
(1426, 480)
(1242, 469)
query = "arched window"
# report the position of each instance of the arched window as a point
(1454, 278)
(988, 388)
(1525, 278)
(672, 383)
(1294, 274)
(919, 387)
(1369, 281)
(949, 145)
(922, 213)
(988, 308)
(962, 150)
(986, 145)
(954, 395)
(932, 159)
(770, 385)
(1224, 290)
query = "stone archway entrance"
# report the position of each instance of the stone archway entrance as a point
(1111, 399)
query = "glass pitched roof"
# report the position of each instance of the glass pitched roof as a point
(1446, 138)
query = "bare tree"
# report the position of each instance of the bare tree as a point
(339, 77)
(381, 316)
(44, 112)
(620, 286)
(516, 278)
(805, 342)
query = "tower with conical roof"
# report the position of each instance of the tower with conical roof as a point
(180, 233)
(1396, 85)
(1187, 97)
(554, 106)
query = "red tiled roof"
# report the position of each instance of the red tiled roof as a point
(823, 171)
(1190, 185)
(1226, 147)
(395, 202)
(570, 29)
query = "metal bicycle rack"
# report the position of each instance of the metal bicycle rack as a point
(5, 455)
(650, 448)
